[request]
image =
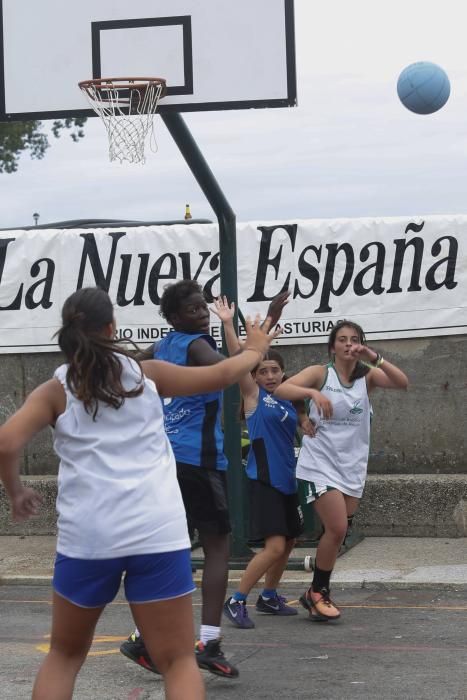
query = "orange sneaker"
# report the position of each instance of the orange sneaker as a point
(320, 605)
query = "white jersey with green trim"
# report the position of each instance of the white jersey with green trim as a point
(338, 455)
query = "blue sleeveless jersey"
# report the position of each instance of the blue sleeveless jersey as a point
(192, 423)
(271, 428)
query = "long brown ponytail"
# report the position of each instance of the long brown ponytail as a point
(95, 371)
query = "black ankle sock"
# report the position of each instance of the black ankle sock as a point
(320, 579)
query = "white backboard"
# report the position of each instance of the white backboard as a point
(214, 54)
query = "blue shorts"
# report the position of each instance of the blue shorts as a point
(93, 583)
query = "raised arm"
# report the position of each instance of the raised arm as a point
(387, 376)
(225, 312)
(383, 375)
(173, 380)
(277, 306)
(306, 385)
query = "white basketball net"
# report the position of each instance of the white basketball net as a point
(127, 110)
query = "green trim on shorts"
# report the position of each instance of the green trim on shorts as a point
(312, 493)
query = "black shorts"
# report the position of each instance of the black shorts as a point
(204, 493)
(273, 513)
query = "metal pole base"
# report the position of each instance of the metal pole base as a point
(307, 562)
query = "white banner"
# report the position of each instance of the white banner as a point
(398, 277)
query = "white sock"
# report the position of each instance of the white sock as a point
(208, 632)
(137, 633)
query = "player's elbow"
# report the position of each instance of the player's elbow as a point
(404, 382)
(401, 383)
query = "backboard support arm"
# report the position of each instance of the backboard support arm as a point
(204, 176)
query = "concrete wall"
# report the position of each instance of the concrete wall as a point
(393, 505)
(19, 375)
(418, 467)
(420, 431)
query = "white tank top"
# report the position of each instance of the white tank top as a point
(338, 454)
(118, 493)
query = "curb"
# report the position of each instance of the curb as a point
(401, 585)
(17, 580)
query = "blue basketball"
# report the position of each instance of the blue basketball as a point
(423, 87)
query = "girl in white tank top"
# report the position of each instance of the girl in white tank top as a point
(337, 455)
(333, 463)
(120, 507)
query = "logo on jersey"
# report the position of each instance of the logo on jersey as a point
(272, 403)
(177, 415)
(172, 418)
(269, 401)
(336, 390)
(356, 408)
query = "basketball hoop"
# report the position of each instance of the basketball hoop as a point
(127, 107)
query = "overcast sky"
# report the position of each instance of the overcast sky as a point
(349, 149)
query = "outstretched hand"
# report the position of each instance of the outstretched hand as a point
(25, 504)
(259, 335)
(277, 305)
(225, 311)
(222, 309)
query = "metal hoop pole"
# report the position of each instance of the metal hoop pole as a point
(228, 269)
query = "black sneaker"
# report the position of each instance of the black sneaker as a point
(210, 657)
(275, 606)
(135, 649)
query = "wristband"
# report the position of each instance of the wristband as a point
(379, 360)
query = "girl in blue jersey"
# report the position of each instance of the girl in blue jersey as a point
(193, 425)
(275, 516)
(114, 458)
(333, 465)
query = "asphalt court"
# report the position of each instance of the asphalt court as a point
(408, 643)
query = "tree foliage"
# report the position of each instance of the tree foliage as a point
(17, 137)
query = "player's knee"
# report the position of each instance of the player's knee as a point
(70, 649)
(276, 547)
(337, 532)
(216, 546)
(168, 659)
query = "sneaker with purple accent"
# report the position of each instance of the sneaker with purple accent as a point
(275, 606)
(237, 613)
